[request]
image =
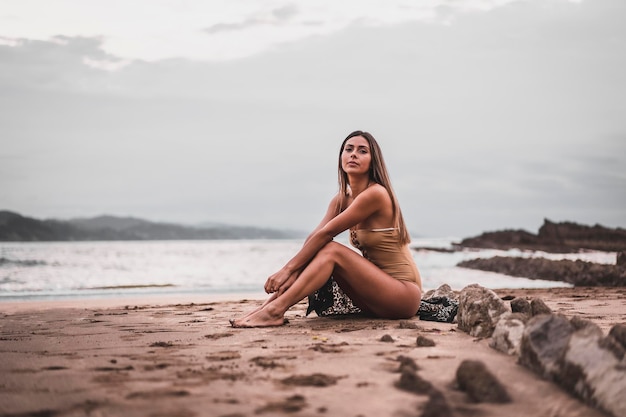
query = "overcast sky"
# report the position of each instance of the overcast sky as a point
(491, 114)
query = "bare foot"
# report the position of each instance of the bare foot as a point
(259, 318)
(266, 302)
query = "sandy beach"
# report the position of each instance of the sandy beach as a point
(180, 357)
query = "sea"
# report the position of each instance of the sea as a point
(75, 270)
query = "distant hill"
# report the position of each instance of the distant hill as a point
(15, 227)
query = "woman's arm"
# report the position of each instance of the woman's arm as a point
(364, 205)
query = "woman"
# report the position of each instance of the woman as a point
(384, 282)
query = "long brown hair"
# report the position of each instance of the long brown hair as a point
(378, 174)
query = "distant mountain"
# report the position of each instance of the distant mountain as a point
(108, 222)
(15, 227)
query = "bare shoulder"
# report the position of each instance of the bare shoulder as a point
(377, 191)
(375, 195)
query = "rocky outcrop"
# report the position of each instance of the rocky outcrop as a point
(479, 310)
(578, 236)
(573, 353)
(578, 273)
(552, 237)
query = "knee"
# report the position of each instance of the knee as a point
(331, 250)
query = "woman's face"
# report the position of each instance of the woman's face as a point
(356, 156)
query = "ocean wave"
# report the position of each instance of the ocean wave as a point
(85, 269)
(22, 262)
(129, 287)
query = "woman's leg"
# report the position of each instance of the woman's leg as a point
(376, 291)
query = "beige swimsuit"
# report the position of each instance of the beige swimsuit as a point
(383, 248)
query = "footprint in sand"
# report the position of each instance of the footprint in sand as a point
(157, 394)
(224, 356)
(312, 380)
(291, 404)
(216, 336)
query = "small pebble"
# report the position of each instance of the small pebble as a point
(423, 341)
(386, 338)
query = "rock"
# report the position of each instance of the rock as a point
(437, 406)
(405, 324)
(386, 338)
(444, 290)
(620, 259)
(407, 362)
(412, 382)
(423, 341)
(618, 332)
(593, 371)
(479, 310)
(520, 305)
(507, 336)
(609, 343)
(538, 306)
(474, 378)
(543, 343)
(580, 323)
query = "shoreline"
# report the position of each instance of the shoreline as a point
(120, 301)
(19, 303)
(176, 355)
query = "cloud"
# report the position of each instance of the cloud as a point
(496, 120)
(285, 12)
(275, 17)
(62, 63)
(152, 31)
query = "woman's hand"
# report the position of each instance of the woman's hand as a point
(281, 279)
(292, 278)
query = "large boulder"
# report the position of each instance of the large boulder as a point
(543, 343)
(479, 310)
(577, 356)
(593, 368)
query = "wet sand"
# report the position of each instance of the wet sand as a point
(180, 357)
